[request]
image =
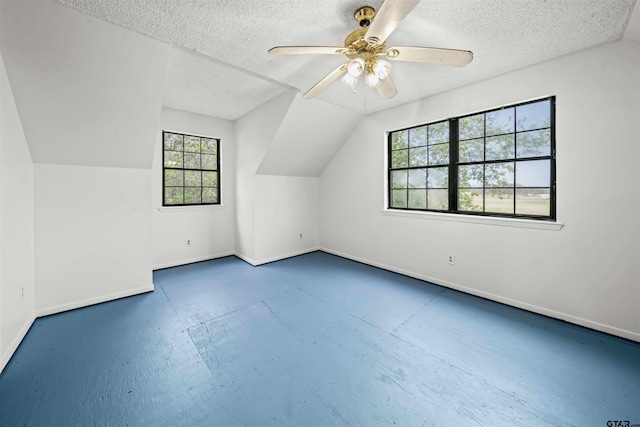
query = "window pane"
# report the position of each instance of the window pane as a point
(209, 162)
(500, 147)
(472, 150)
(418, 178)
(534, 143)
(439, 154)
(418, 136)
(399, 179)
(193, 195)
(533, 173)
(172, 159)
(470, 199)
(498, 200)
(210, 179)
(209, 195)
(191, 161)
(499, 174)
(470, 176)
(173, 141)
(209, 146)
(399, 199)
(500, 122)
(533, 116)
(471, 127)
(173, 195)
(418, 156)
(438, 133)
(438, 178)
(533, 201)
(192, 144)
(173, 178)
(438, 199)
(399, 140)
(417, 199)
(399, 159)
(192, 178)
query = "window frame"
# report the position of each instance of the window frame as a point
(455, 163)
(183, 169)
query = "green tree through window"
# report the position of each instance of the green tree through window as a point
(191, 172)
(498, 162)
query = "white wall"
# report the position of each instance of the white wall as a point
(286, 206)
(89, 96)
(92, 235)
(273, 209)
(17, 311)
(254, 133)
(210, 229)
(588, 272)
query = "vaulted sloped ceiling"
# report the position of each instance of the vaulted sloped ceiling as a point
(504, 35)
(90, 77)
(88, 93)
(201, 84)
(307, 139)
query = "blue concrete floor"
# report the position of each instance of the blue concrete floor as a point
(313, 340)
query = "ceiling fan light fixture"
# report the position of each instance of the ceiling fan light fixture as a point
(382, 69)
(350, 81)
(354, 69)
(376, 70)
(371, 80)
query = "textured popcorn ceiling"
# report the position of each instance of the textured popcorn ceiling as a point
(220, 64)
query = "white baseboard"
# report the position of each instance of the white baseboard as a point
(612, 330)
(191, 260)
(275, 258)
(6, 356)
(93, 301)
(245, 258)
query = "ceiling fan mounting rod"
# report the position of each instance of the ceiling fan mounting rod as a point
(364, 15)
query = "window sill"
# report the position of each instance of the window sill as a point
(175, 209)
(502, 222)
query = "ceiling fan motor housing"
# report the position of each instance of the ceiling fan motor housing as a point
(355, 42)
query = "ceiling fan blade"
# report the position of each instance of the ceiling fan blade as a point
(386, 89)
(387, 19)
(307, 50)
(326, 81)
(432, 55)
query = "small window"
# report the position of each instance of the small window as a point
(499, 162)
(191, 172)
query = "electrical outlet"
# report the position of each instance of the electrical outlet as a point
(187, 242)
(300, 236)
(451, 259)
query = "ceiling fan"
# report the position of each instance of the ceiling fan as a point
(366, 47)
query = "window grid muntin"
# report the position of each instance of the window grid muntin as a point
(202, 187)
(454, 143)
